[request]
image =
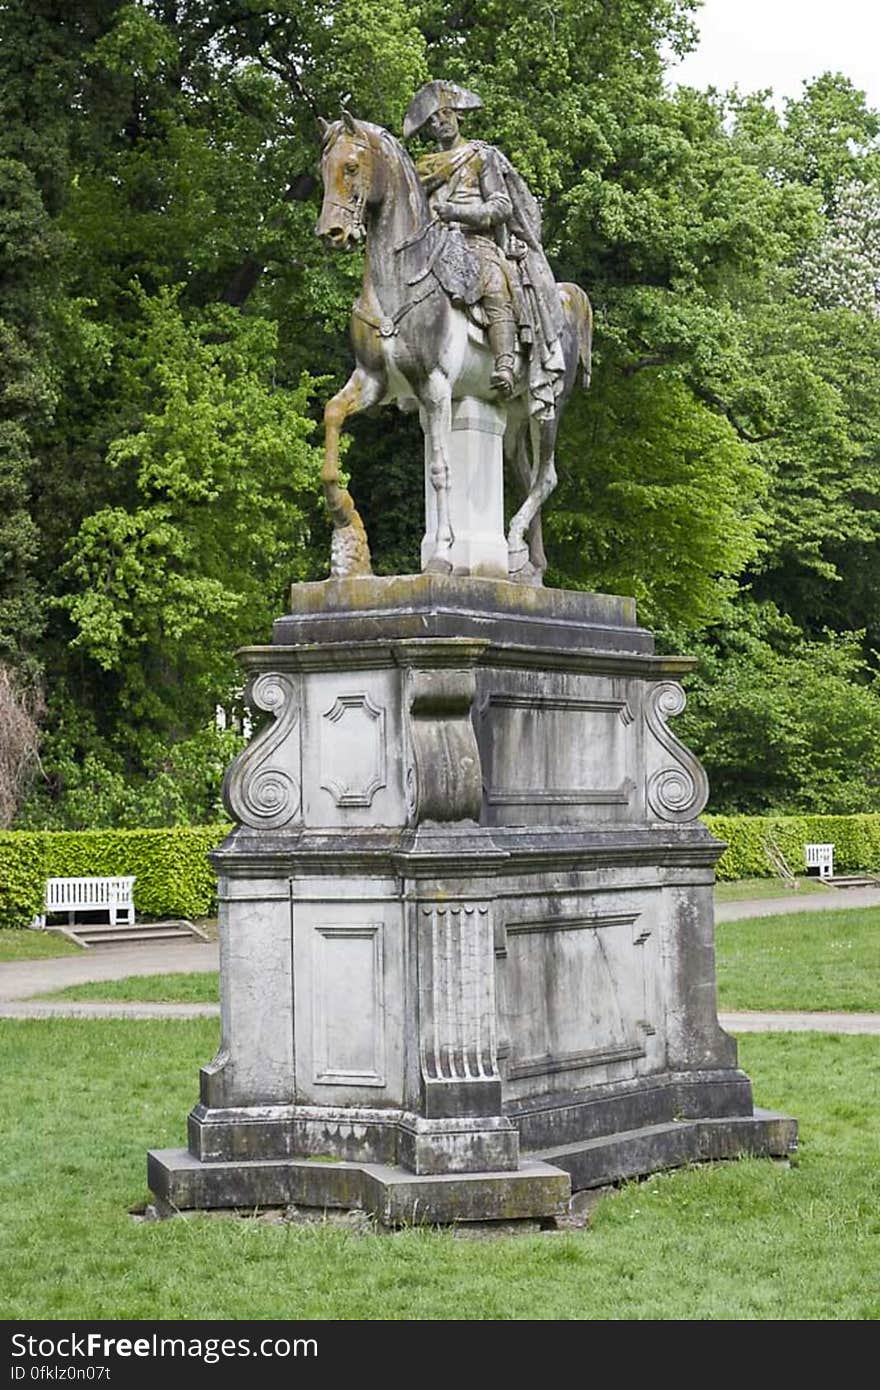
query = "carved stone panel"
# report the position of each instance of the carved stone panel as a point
(576, 997)
(352, 740)
(348, 1005)
(353, 762)
(556, 756)
(347, 996)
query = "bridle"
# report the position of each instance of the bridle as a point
(355, 210)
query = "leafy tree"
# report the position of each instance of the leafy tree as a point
(178, 487)
(25, 400)
(171, 324)
(815, 352)
(33, 171)
(784, 723)
(660, 500)
(89, 785)
(19, 744)
(843, 270)
(218, 472)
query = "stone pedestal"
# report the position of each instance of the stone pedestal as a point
(476, 467)
(466, 916)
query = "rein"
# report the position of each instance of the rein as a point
(389, 325)
(416, 237)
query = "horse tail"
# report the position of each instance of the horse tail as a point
(579, 313)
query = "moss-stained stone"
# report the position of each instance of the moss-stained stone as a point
(539, 1189)
(429, 605)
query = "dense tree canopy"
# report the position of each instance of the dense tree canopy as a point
(170, 326)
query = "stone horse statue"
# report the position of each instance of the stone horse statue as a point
(413, 345)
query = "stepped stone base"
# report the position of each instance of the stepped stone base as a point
(394, 1195)
(539, 1189)
(466, 917)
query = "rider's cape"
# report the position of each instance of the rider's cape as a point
(539, 290)
(525, 226)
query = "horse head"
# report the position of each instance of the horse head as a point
(370, 184)
(347, 171)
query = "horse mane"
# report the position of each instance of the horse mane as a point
(404, 160)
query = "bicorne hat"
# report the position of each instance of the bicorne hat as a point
(429, 99)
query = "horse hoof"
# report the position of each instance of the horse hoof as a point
(438, 565)
(517, 559)
(529, 576)
(526, 573)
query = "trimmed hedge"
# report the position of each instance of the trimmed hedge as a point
(856, 841)
(22, 875)
(173, 876)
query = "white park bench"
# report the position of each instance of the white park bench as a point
(821, 857)
(72, 895)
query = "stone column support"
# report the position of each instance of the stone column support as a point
(459, 1127)
(457, 1041)
(476, 469)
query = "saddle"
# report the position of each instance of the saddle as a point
(456, 268)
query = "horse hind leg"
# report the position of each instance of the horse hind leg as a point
(526, 560)
(516, 454)
(349, 548)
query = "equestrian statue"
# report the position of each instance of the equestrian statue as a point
(457, 300)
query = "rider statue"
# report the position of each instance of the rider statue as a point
(494, 263)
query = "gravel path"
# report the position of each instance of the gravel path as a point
(800, 1023)
(99, 1008)
(830, 901)
(20, 979)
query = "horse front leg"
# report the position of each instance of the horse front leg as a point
(349, 549)
(526, 561)
(436, 405)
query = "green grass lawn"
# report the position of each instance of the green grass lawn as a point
(804, 960)
(742, 889)
(80, 1102)
(35, 945)
(198, 987)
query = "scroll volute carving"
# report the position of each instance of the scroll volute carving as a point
(678, 787)
(444, 781)
(262, 786)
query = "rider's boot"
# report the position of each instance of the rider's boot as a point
(502, 340)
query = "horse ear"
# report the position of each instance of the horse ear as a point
(348, 120)
(323, 126)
